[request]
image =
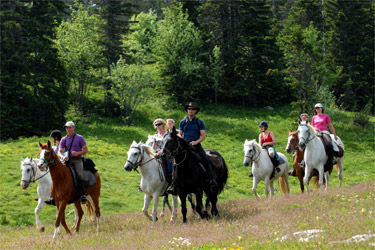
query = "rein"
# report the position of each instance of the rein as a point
(52, 162)
(32, 177)
(295, 148)
(139, 163)
(176, 152)
(256, 157)
(308, 135)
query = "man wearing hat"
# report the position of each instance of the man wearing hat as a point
(75, 146)
(193, 130)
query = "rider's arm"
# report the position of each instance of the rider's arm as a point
(84, 151)
(332, 130)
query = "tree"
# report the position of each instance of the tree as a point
(131, 87)
(33, 80)
(77, 41)
(177, 52)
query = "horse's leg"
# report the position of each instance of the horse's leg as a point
(155, 208)
(300, 178)
(340, 163)
(146, 203)
(207, 206)
(267, 186)
(60, 219)
(326, 175)
(271, 188)
(213, 200)
(199, 208)
(255, 184)
(75, 216)
(77, 206)
(39, 207)
(321, 173)
(183, 206)
(165, 200)
(306, 178)
(175, 204)
(190, 198)
(95, 202)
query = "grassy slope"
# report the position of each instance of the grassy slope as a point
(227, 128)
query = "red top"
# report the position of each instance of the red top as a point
(268, 138)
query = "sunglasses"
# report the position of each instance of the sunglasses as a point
(158, 124)
(192, 109)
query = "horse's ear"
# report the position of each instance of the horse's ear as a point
(40, 145)
(299, 122)
(174, 131)
(21, 158)
(49, 144)
(31, 158)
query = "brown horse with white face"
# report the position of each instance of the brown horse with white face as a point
(63, 190)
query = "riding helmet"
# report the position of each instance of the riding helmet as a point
(56, 134)
(318, 105)
(263, 123)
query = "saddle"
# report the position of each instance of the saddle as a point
(328, 164)
(88, 173)
(214, 159)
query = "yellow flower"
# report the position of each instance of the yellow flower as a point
(363, 210)
(239, 238)
(317, 218)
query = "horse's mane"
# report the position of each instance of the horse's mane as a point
(312, 130)
(148, 150)
(253, 143)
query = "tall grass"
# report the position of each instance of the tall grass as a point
(227, 128)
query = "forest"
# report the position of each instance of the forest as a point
(106, 58)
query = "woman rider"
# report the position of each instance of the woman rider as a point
(267, 140)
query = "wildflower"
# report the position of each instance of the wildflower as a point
(239, 238)
(317, 218)
(363, 210)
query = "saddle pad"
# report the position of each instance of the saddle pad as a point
(88, 178)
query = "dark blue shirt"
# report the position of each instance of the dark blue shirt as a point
(190, 129)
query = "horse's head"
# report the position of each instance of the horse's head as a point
(250, 151)
(293, 140)
(135, 156)
(305, 134)
(46, 156)
(150, 140)
(28, 170)
(171, 144)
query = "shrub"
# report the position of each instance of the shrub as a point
(362, 118)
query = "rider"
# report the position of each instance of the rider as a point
(193, 130)
(76, 146)
(56, 138)
(304, 117)
(267, 140)
(320, 121)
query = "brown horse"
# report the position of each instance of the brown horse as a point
(64, 192)
(298, 165)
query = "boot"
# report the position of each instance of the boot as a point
(82, 192)
(275, 163)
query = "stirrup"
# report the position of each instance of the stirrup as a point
(83, 199)
(50, 202)
(171, 190)
(278, 169)
(250, 175)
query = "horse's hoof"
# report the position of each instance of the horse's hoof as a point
(161, 215)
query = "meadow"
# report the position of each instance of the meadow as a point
(244, 220)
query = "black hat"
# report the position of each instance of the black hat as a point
(56, 133)
(192, 105)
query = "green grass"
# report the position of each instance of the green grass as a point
(227, 128)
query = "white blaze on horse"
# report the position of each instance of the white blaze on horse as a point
(30, 174)
(315, 156)
(262, 168)
(153, 182)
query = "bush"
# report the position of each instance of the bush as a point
(362, 118)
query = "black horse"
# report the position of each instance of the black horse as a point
(190, 175)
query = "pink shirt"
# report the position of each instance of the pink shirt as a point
(320, 122)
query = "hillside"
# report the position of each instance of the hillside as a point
(227, 128)
(341, 218)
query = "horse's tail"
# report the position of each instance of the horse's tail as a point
(316, 177)
(90, 207)
(223, 177)
(283, 185)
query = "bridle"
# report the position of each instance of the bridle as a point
(252, 159)
(137, 163)
(32, 178)
(295, 148)
(307, 140)
(175, 152)
(52, 162)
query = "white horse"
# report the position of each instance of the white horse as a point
(30, 174)
(153, 182)
(315, 156)
(262, 168)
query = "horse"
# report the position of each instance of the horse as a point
(30, 174)
(262, 168)
(315, 156)
(64, 192)
(298, 163)
(153, 182)
(191, 177)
